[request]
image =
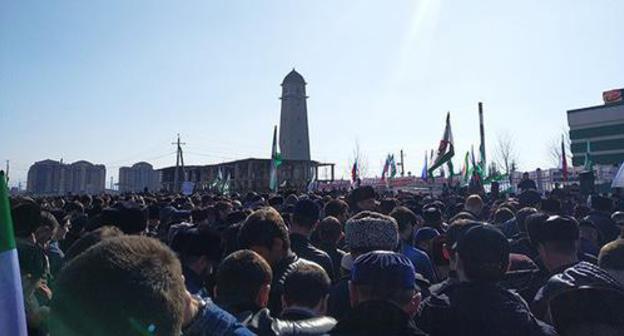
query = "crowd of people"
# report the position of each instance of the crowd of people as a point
(356, 262)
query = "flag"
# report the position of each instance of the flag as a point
(424, 175)
(446, 149)
(312, 184)
(225, 187)
(589, 165)
(386, 167)
(466, 169)
(276, 161)
(564, 161)
(355, 171)
(12, 313)
(393, 167)
(216, 183)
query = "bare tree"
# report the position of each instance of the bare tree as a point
(554, 149)
(506, 156)
(361, 158)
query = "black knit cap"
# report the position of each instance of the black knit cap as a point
(483, 244)
(554, 229)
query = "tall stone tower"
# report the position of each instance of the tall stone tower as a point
(293, 137)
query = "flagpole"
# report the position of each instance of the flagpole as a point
(482, 135)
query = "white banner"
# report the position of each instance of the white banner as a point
(618, 181)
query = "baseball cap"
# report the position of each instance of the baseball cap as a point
(425, 233)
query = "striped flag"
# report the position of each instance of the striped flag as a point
(424, 175)
(446, 149)
(12, 313)
(276, 161)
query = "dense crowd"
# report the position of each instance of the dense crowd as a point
(357, 262)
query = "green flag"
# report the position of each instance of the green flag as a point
(12, 313)
(589, 164)
(276, 161)
(446, 149)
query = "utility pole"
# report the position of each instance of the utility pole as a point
(402, 164)
(7, 170)
(179, 168)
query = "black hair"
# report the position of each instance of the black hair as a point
(306, 285)
(261, 227)
(240, 277)
(137, 289)
(405, 218)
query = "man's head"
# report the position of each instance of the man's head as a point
(223, 209)
(386, 276)
(136, 289)
(455, 231)
(555, 238)
(90, 239)
(364, 198)
(265, 233)
(330, 231)
(611, 259)
(521, 217)
(406, 220)
(483, 254)
(199, 250)
(530, 198)
(432, 216)
(423, 238)
(337, 208)
(618, 218)
(588, 311)
(307, 287)
(26, 219)
(243, 282)
(525, 176)
(502, 215)
(370, 231)
(305, 216)
(47, 230)
(474, 205)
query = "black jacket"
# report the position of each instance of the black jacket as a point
(581, 274)
(376, 318)
(478, 309)
(336, 256)
(303, 248)
(263, 324)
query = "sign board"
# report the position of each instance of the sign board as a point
(613, 96)
(187, 188)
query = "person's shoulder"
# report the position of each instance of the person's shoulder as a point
(212, 320)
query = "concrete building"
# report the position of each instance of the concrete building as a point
(248, 174)
(139, 177)
(602, 128)
(49, 177)
(294, 140)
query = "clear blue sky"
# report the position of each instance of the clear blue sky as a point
(113, 81)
